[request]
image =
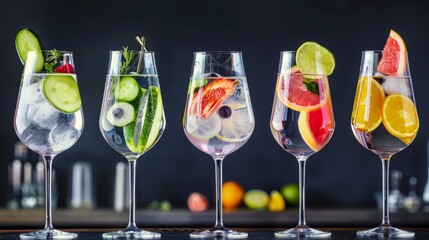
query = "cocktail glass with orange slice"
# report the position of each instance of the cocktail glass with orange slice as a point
(384, 118)
(302, 119)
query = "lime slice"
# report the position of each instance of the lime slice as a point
(62, 92)
(237, 127)
(256, 199)
(312, 58)
(203, 128)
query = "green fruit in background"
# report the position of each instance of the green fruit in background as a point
(256, 199)
(291, 193)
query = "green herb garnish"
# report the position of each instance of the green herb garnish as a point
(311, 85)
(128, 56)
(52, 60)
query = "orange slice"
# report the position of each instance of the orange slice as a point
(368, 105)
(394, 60)
(400, 116)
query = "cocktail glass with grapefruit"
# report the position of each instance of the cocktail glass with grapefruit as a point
(384, 118)
(302, 119)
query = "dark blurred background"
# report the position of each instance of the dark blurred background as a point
(343, 174)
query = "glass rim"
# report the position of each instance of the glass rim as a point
(287, 51)
(133, 51)
(217, 52)
(380, 51)
(47, 51)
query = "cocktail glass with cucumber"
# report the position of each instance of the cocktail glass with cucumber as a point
(49, 116)
(132, 118)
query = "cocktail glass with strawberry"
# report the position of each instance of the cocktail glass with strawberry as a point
(302, 119)
(49, 116)
(384, 118)
(218, 117)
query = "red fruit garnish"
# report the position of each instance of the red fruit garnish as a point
(394, 60)
(197, 202)
(208, 99)
(316, 127)
(67, 68)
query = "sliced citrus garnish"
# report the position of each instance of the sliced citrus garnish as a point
(312, 58)
(237, 125)
(316, 127)
(368, 104)
(203, 128)
(293, 91)
(400, 116)
(394, 60)
(208, 98)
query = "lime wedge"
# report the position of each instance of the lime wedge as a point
(256, 199)
(312, 58)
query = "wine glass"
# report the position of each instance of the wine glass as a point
(218, 117)
(302, 122)
(49, 117)
(132, 118)
(384, 120)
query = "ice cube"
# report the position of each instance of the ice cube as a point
(39, 110)
(62, 137)
(35, 138)
(278, 116)
(396, 85)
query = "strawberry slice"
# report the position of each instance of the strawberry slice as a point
(67, 68)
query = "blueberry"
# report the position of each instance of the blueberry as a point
(225, 112)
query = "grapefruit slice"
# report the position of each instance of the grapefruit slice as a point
(292, 91)
(316, 127)
(208, 99)
(394, 60)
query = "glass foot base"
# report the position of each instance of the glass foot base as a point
(302, 232)
(133, 233)
(48, 234)
(219, 232)
(385, 232)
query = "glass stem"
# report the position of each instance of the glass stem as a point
(385, 164)
(132, 177)
(301, 161)
(218, 180)
(48, 191)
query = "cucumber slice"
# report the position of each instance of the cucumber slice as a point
(26, 40)
(62, 92)
(127, 89)
(143, 133)
(120, 114)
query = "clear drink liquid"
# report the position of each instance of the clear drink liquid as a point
(127, 139)
(39, 125)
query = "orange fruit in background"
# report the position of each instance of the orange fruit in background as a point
(232, 194)
(394, 60)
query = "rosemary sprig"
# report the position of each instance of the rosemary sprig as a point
(52, 60)
(128, 57)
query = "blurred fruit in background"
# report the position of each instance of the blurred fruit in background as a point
(276, 202)
(290, 192)
(256, 199)
(197, 202)
(232, 195)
